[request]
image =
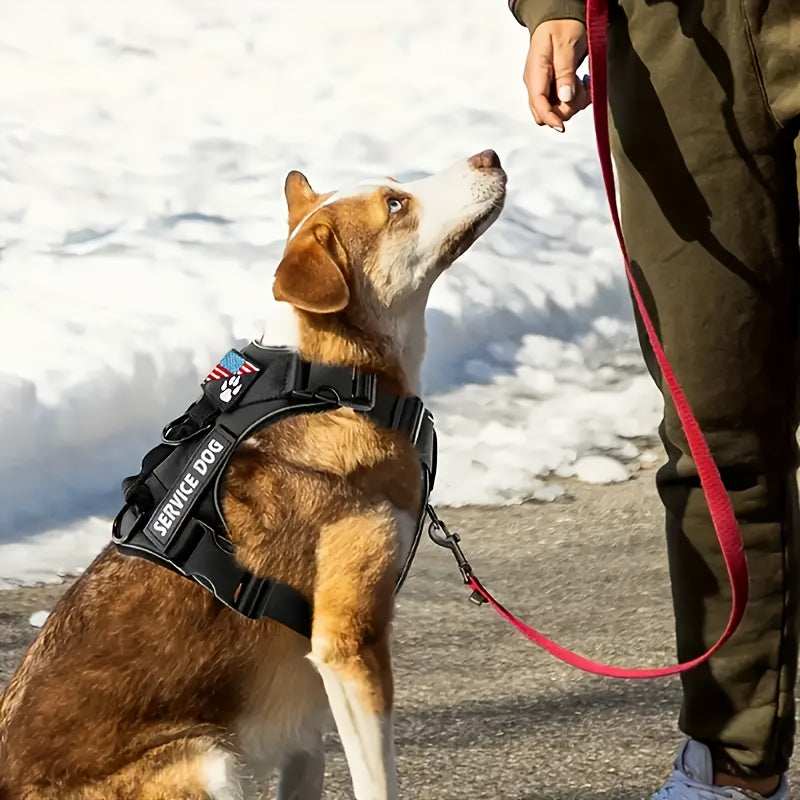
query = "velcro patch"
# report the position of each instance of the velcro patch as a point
(170, 514)
(232, 363)
(225, 393)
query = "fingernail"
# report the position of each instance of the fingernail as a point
(565, 94)
(560, 130)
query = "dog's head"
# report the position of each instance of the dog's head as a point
(359, 263)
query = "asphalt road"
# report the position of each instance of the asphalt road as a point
(481, 713)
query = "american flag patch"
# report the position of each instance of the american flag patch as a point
(232, 363)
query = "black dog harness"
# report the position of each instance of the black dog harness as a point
(172, 514)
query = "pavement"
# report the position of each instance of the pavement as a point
(481, 714)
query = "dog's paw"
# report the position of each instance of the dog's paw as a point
(230, 388)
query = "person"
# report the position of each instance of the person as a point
(704, 103)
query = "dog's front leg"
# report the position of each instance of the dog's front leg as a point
(365, 729)
(350, 645)
(301, 776)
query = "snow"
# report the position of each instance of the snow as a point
(38, 618)
(144, 148)
(600, 469)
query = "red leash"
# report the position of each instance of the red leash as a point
(719, 505)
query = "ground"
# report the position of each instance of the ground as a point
(481, 713)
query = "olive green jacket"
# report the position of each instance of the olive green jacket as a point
(533, 12)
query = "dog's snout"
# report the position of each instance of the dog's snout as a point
(487, 159)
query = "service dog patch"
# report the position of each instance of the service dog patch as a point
(200, 469)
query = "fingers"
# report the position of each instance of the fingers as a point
(538, 78)
(555, 93)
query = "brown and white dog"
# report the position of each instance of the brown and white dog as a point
(142, 686)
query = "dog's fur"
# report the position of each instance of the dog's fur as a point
(141, 686)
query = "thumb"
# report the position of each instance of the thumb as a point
(564, 67)
(566, 86)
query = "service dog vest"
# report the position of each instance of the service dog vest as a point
(172, 514)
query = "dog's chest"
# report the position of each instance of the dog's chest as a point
(287, 709)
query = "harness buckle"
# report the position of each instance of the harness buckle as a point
(344, 387)
(365, 391)
(440, 534)
(252, 596)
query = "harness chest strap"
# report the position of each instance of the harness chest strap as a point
(172, 514)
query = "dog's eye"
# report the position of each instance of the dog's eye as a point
(394, 205)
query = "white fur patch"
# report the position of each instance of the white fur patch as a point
(280, 325)
(367, 738)
(220, 778)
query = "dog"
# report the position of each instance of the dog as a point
(141, 685)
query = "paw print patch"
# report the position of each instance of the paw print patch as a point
(230, 388)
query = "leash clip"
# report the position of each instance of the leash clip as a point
(440, 534)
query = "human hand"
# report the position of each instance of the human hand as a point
(555, 93)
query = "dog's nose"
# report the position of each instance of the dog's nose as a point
(488, 159)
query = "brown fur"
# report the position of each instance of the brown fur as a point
(138, 672)
(140, 676)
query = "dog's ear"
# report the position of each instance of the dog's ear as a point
(311, 275)
(300, 197)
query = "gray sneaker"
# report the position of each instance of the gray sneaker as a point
(694, 774)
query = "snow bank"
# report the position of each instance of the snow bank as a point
(141, 216)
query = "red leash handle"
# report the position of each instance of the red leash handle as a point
(719, 505)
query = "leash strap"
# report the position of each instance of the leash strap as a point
(719, 505)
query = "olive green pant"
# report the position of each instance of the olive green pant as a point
(705, 105)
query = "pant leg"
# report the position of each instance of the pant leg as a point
(707, 178)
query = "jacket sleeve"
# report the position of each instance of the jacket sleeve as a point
(531, 13)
